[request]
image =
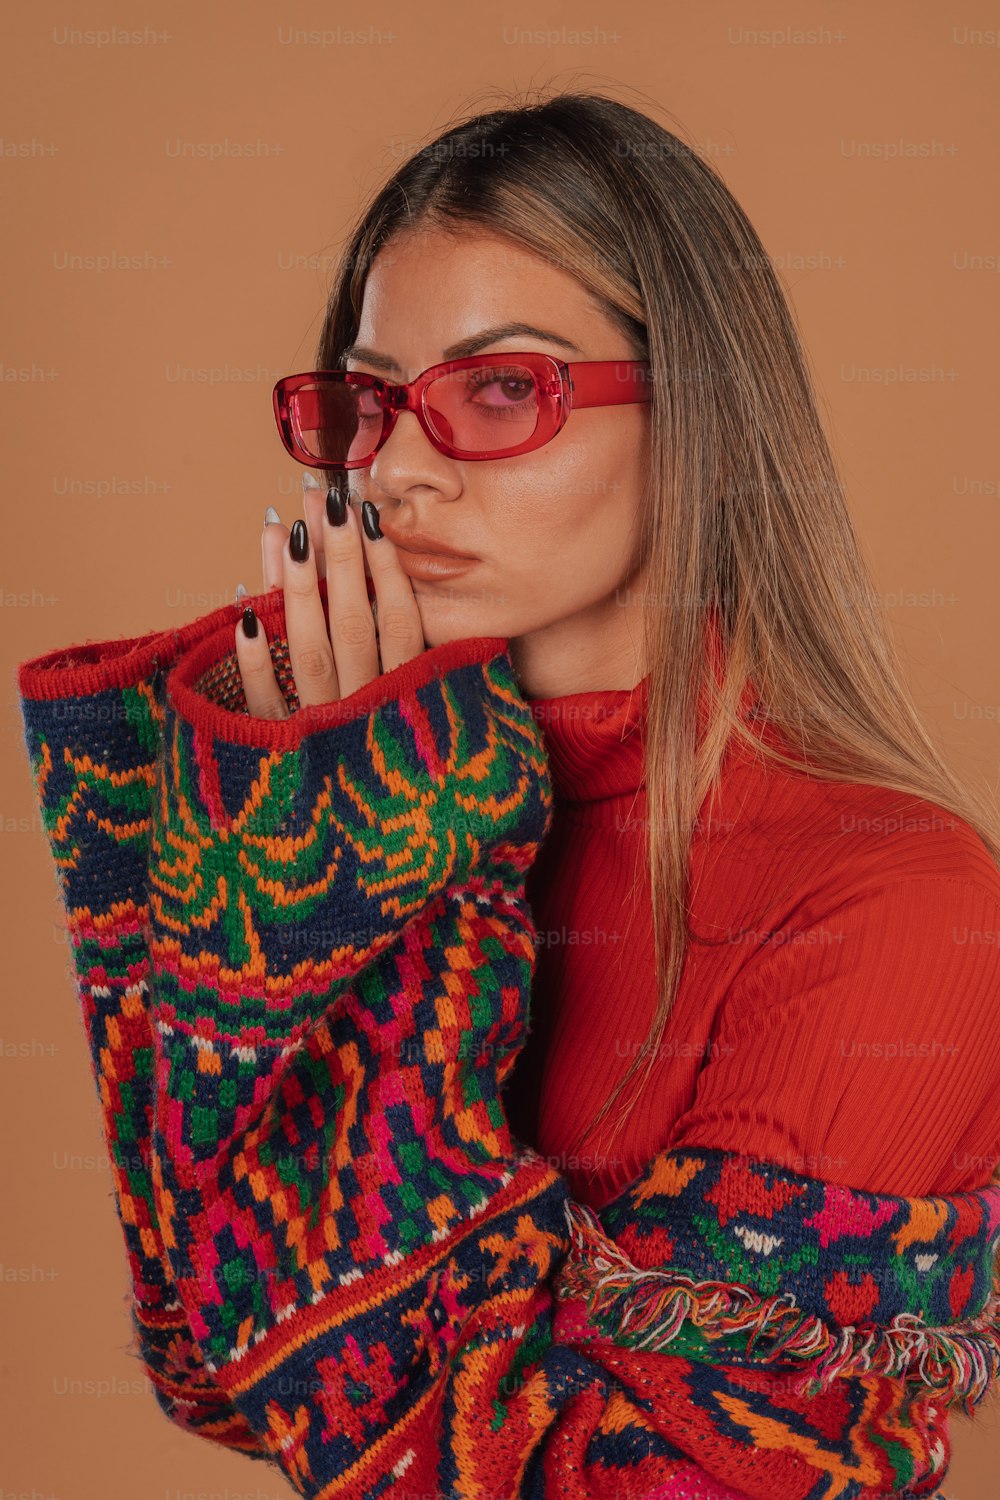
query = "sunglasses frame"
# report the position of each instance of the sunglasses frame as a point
(560, 388)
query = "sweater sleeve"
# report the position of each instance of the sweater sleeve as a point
(91, 719)
(861, 1046)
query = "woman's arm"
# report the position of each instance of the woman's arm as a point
(92, 719)
(898, 1094)
(394, 1294)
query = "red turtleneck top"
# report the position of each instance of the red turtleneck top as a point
(837, 1013)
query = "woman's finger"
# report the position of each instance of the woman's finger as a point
(272, 544)
(316, 498)
(400, 630)
(265, 700)
(352, 628)
(313, 506)
(309, 650)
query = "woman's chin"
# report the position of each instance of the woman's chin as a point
(447, 617)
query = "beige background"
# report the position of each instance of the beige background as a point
(229, 156)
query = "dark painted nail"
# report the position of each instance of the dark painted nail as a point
(298, 541)
(369, 517)
(336, 507)
(249, 621)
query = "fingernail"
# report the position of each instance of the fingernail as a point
(336, 507)
(369, 516)
(309, 483)
(271, 516)
(298, 541)
(241, 592)
(249, 622)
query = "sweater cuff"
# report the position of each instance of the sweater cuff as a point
(206, 689)
(208, 686)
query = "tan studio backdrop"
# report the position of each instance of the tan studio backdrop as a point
(177, 181)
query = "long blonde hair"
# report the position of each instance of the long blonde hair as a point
(744, 515)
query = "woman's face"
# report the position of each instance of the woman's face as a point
(555, 531)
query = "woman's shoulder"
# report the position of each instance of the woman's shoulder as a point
(836, 838)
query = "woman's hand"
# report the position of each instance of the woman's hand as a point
(330, 658)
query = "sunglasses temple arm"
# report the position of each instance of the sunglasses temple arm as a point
(609, 382)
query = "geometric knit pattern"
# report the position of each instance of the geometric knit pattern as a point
(304, 961)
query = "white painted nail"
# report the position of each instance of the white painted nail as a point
(271, 516)
(309, 482)
(241, 592)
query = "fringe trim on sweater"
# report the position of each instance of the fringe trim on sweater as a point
(647, 1309)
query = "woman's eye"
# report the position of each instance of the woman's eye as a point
(504, 390)
(368, 403)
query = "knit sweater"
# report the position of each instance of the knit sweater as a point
(304, 955)
(806, 894)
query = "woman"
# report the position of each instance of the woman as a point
(741, 520)
(364, 1243)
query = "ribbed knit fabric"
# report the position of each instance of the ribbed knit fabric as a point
(809, 900)
(304, 957)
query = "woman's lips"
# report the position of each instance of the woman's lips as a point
(431, 565)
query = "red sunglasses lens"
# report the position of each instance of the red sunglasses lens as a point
(333, 422)
(482, 409)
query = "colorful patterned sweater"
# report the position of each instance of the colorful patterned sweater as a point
(304, 959)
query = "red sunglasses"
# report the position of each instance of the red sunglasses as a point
(485, 406)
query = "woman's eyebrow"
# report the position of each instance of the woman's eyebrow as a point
(470, 345)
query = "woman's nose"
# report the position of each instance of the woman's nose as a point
(409, 456)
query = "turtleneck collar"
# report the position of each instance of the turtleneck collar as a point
(595, 741)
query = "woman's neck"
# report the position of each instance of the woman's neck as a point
(598, 649)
